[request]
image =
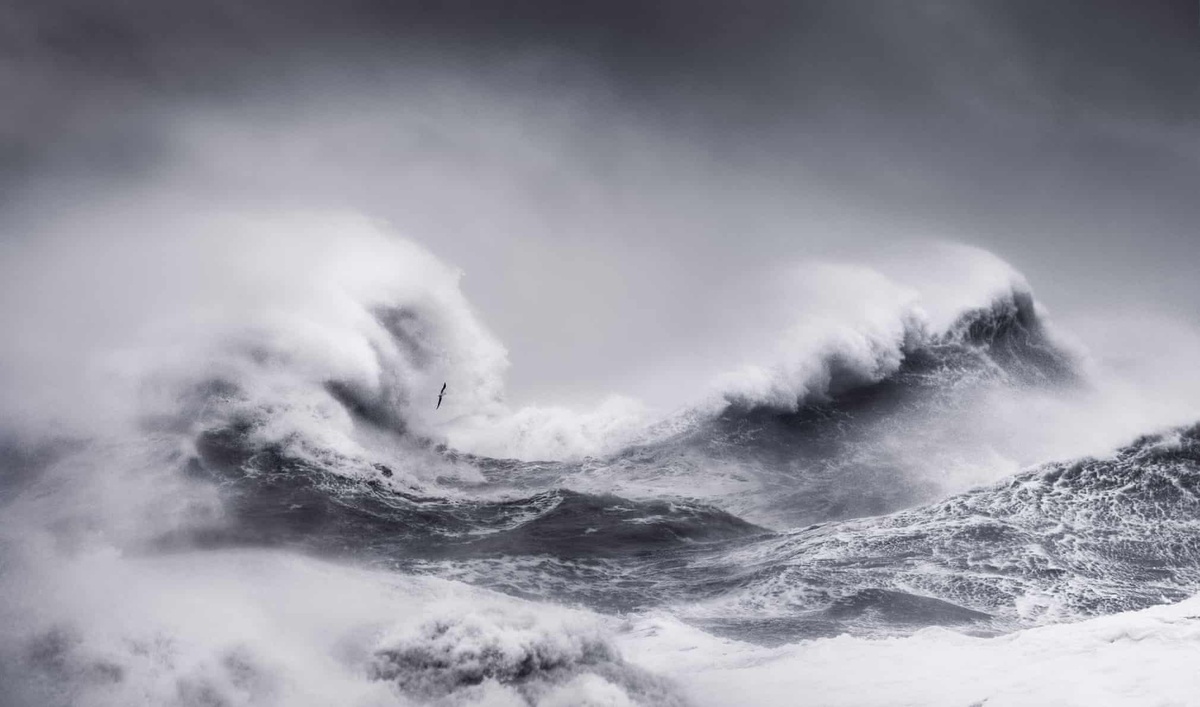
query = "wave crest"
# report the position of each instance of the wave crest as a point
(843, 327)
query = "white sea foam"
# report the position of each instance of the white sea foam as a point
(266, 628)
(116, 313)
(280, 307)
(1125, 660)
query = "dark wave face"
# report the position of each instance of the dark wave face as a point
(867, 447)
(278, 499)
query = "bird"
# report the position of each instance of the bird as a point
(443, 392)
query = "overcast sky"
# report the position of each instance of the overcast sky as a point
(614, 178)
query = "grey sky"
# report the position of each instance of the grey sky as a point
(614, 177)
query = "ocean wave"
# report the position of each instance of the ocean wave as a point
(1064, 541)
(275, 498)
(159, 518)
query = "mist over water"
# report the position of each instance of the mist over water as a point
(754, 389)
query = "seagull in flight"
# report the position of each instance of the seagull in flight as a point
(439, 405)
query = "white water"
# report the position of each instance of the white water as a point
(1137, 659)
(266, 628)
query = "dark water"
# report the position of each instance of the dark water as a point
(829, 535)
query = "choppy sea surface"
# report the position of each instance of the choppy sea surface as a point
(742, 553)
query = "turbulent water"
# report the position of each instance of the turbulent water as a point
(274, 538)
(834, 553)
